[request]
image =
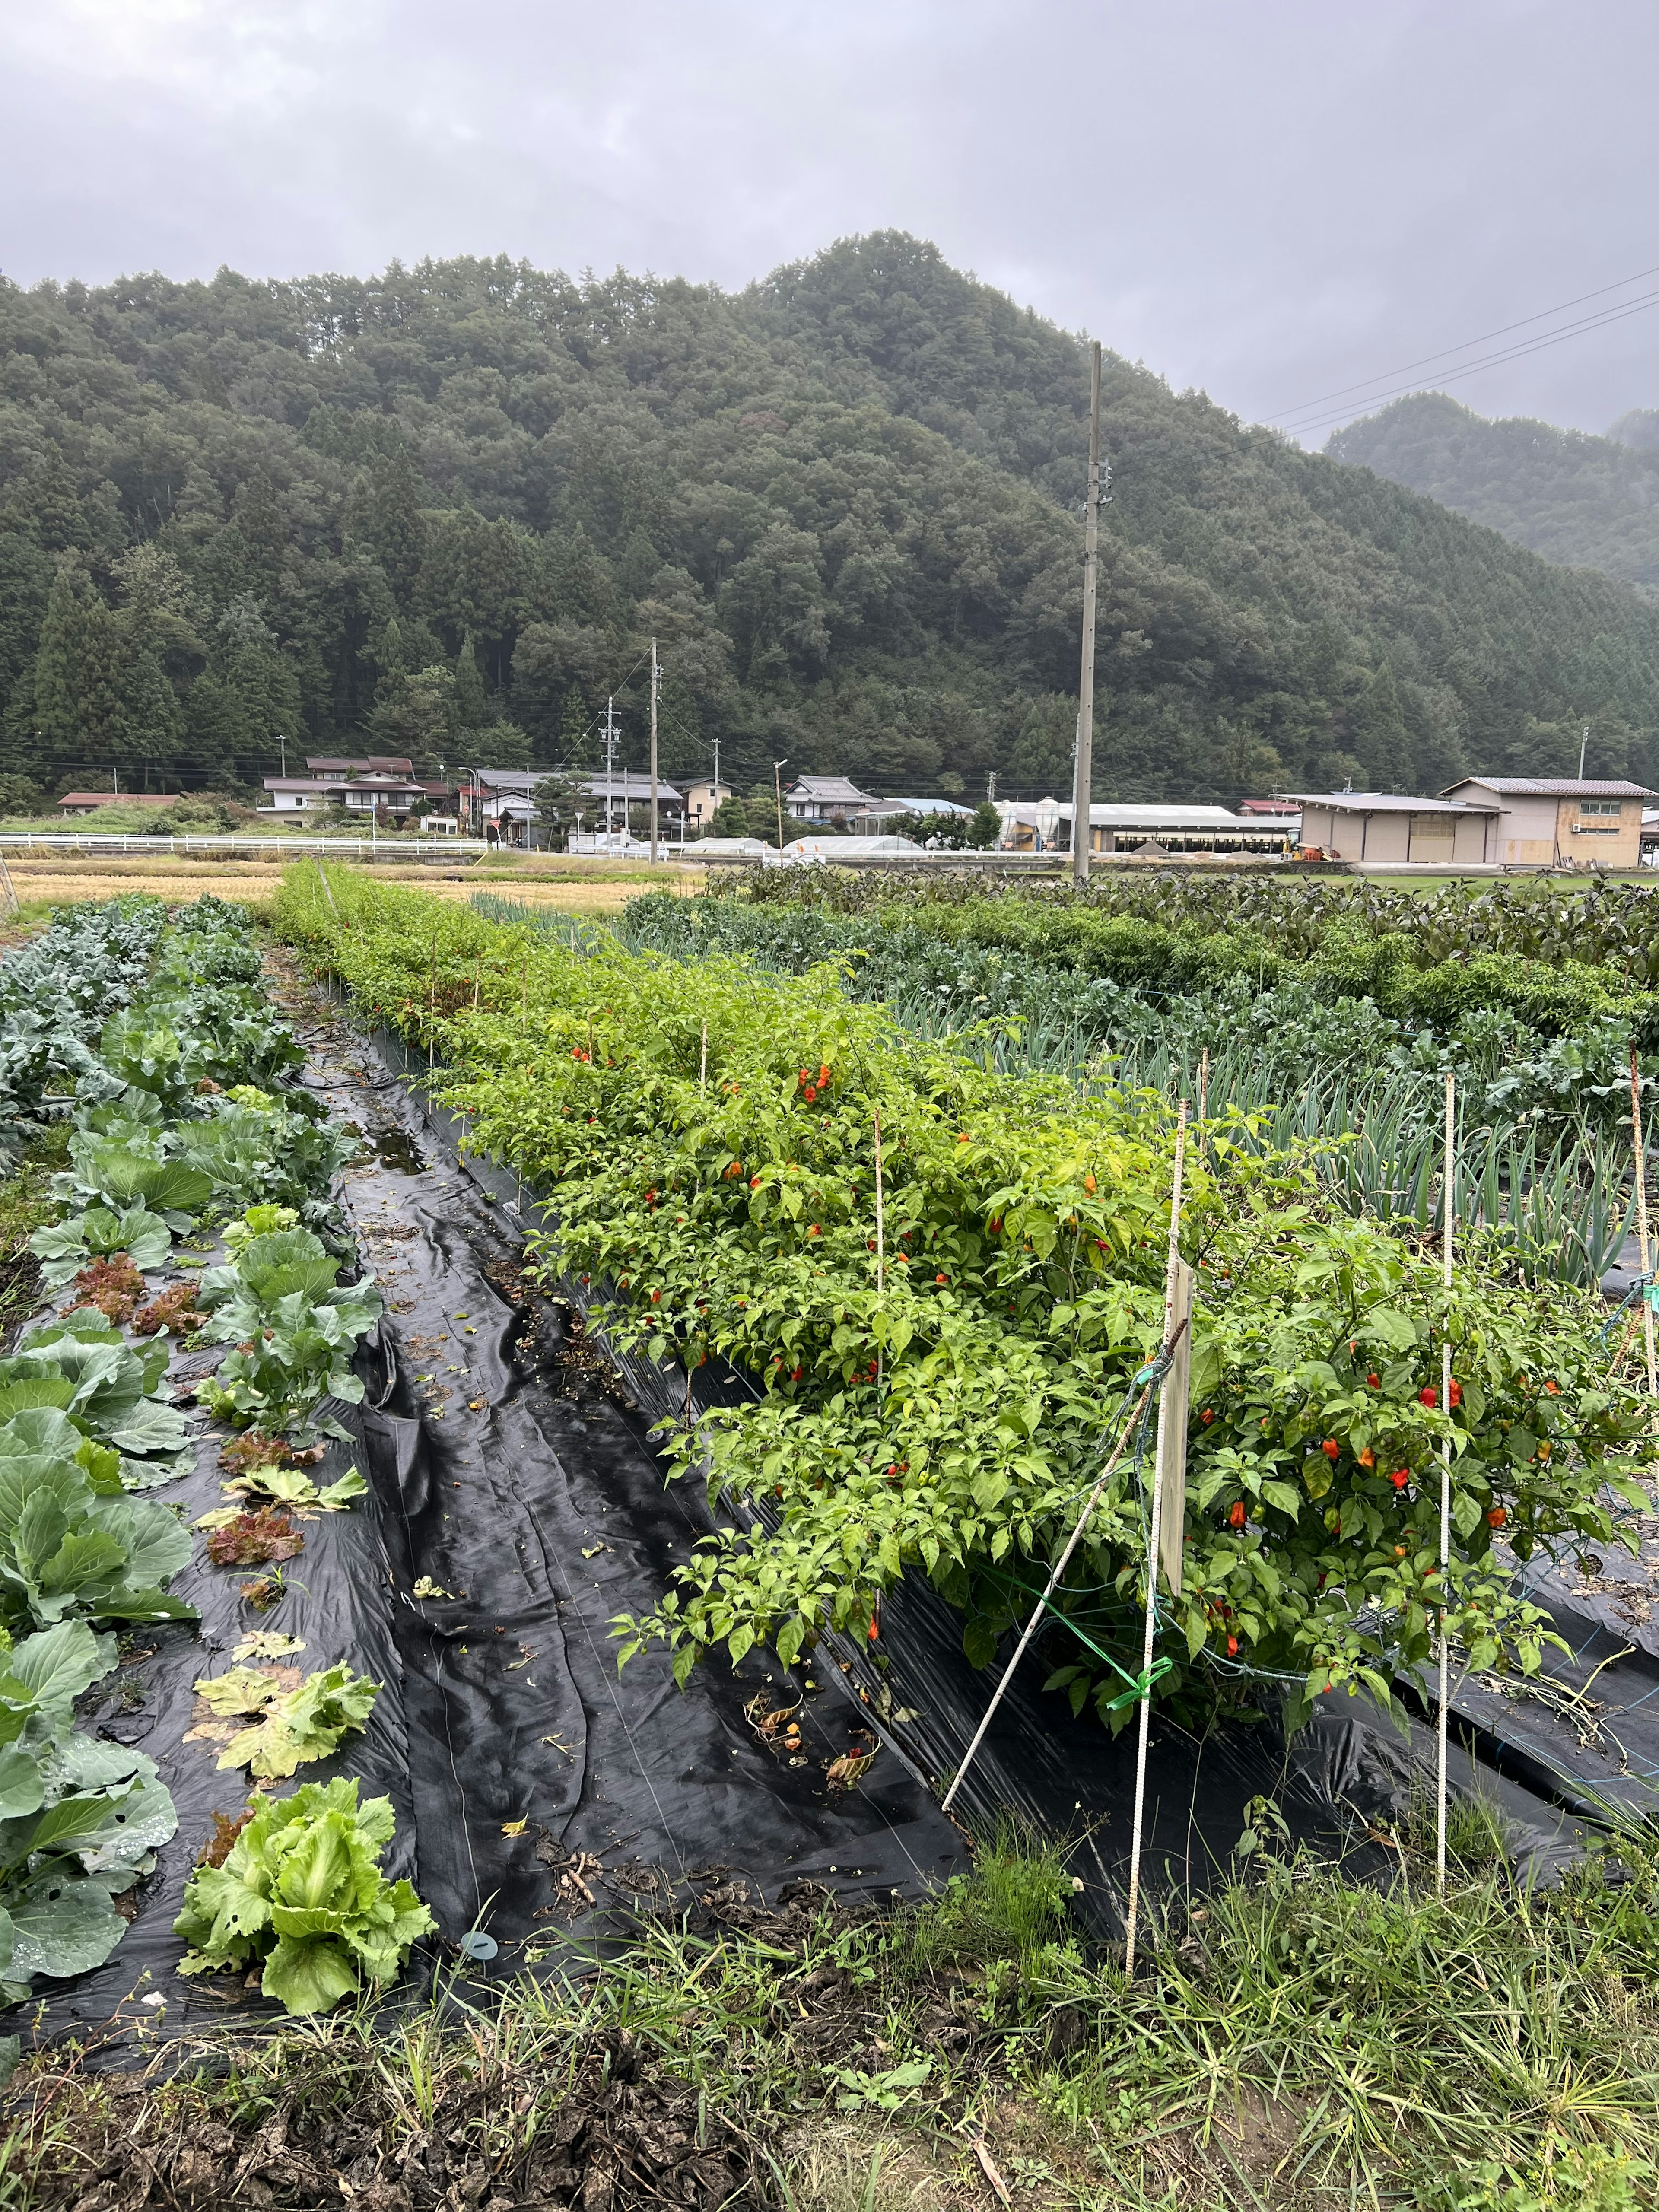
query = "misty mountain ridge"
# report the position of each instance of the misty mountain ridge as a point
(1567, 495)
(442, 510)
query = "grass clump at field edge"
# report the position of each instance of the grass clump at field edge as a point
(1292, 2041)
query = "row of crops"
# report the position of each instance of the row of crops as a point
(1340, 1037)
(927, 1377)
(194, 1206)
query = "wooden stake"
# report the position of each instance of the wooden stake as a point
(1448, 1225)
(524, 994)
(702, 1063)
(1144, 1732)
(1203, 1086)
(1642, 1214)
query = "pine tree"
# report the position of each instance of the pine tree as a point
(387, 519)
(260, 676)
(264, 526)
(578, 744)
(76, 722)
(472, 702)
(152, 720)
(1376, 731)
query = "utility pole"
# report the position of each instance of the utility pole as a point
(656, 685)
(716, 807)
(777, 782)
(282, 742)
(610, 760)
(1583, 742)
(1083, 777)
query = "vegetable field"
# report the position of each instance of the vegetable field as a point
(927, 1389)
(151, 1045)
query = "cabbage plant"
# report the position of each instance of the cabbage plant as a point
(294, 1328)
(80, 1819)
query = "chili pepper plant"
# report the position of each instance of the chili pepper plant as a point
(934, 1393)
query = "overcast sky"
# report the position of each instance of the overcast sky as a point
(1270, 199)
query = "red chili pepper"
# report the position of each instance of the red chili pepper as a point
(1375, 1380)
(873, 1630)
(1401, 1477)
(1430, 1396)
(1331, 1449)
(1237, 1517)
(1207, 1415)
(1497, 1516)
(811, 1094)
(1232, 1647)
(1455, 1395)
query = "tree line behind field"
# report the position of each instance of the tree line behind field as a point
(442, 511)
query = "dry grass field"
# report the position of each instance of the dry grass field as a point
(574, 887)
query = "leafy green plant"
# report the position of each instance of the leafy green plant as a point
(72, 1245)
(83, 1365)
(79, 1819)
(289, 1723)
(293, 1486)
(301, 1893)
(73, 1544)
(295, 1330)
(106, 1173)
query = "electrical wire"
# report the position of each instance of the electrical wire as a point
(1344, 415)
(1486, 337)
(1523, 353)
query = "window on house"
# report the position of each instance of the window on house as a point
(1598, 817)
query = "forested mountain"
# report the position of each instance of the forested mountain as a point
(1589, 502)
(443, 509)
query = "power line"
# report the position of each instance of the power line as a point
(1476, 369)
(1484, 339)
(1595, 322)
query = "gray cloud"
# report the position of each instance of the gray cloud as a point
(1268, 200)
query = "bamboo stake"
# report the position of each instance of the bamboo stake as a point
(702, 1063)
(1448, 1217)
(1642, 1215)
(1143, 1736)
(524, 994)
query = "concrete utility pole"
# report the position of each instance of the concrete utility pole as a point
(1582, 743)
(610, 758)
(1083, 778)
(778, 767)
(656, 685)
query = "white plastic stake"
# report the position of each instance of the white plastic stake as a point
(1642, 1214)
(1448, 1222)
(1143, 1735)
(1042, 1605)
